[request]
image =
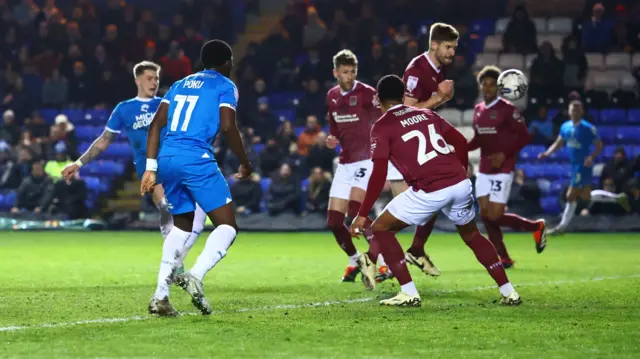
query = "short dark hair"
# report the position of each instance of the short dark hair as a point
(489, 72)
(345, 57)
(390, 88)
(143, 66)
(215, 53)
(443, 32)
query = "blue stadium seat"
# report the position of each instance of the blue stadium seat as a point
(265, 183)
(93, 184)
(628, 134)
(595, 114)
(84, 133)
(280, 100)
(74, 115)
(8, 200)
(231, 180)
(608, 134)
(544, 185)
(118, 150)
(286, 114)
(550, 205)
(607, 152)
(552, 112)
(476, 46)
(49, 114)
(634, 115)
(483, 27)
(533, 170)
(304, 184)
(298, 130)
(97, 116)
(557, 186)
(103, 169)
(635, 151)
(561, 155)
(258, 147)
(613, 115)
(531, 152)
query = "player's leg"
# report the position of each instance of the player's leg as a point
(484, 187)
(500, 191)
(416, 254)
(460, 212)
(339, 195)
(575, 191)
(602, 196)
(207, 186)
(199, 219)
(166, 219)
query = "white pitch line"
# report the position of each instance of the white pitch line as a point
(15, 328)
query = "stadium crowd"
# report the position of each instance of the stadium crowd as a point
(82, 56)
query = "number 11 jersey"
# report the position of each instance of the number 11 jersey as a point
(194, 113)
(413, 140)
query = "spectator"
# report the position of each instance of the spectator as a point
(295, 160)
(55, 90)
(32, 190)
(618, 170)
(163, 40)
(314, 30)
(265, 122)
(596, 31)
(308, 137)
(9, 131)
(29, 143)
(525, 196)
(54, 167)
(546, 74)
(634, 195)
(247, 194)
(284, 193)
(367, 28)
(175, 65)
(191, 43)
(270, 157)
(81, 88)
(541, 128)
(466, 87)
(112, 43)
(313, 102)
(67, 198)
(285, 74)
(520, 36)
(575, 65)
(64, 131)
(18, 99)
(286, 136)
(318, 191)
(620, 38)
(38, 128)
(314, 67)
(320, 155)
(249, 101)
(10, 176)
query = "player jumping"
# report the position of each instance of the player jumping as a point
(427, 88)
(133, 116)
(199, 106)
(352, 109)
(579, 135)
(500, 133)
(417, 143)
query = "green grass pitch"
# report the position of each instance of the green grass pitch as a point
(278, 295)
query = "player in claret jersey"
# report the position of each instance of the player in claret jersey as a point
(352, 110)
(500, 133)
(427, 88)
(417, 143)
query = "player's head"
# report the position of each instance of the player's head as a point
(443, 42)
(147, 75)
(488, 81)
(345, 69)
(576, 110)
(217, 55)
(390, 91)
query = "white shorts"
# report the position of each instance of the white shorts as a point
(496, 186)
(393, 174)
(417, 208)
(350, 175)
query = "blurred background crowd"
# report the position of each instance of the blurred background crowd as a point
(65, 64)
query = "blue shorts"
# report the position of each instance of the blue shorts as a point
(191, 180)
(581, 176)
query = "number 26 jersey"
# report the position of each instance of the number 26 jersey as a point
(413, 140)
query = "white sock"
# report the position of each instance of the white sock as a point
(409, 288)
(353, 260)
(171, 250)
(381, 261)
(199, 218)
(567, 215)
(214, 250)
(601, 196)
(506, 289)
(166, 219)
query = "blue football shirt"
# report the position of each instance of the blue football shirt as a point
(578, 139)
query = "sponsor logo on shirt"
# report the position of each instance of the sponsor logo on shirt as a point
(486, 130)
(346, 118)
(143, 120)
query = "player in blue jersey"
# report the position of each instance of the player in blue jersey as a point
(133, 117)
(579, 135)
(194, 110)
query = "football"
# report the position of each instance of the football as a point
(512, 84)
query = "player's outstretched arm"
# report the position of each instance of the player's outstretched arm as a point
(456, 139)
(374, 188)
(559, 142)
(229, 126)
(97, 147)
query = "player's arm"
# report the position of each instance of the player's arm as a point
(153, 135)
(557, 144)
(98, 146)
(521, 131)
(431, 103)
(456, 139)
(598, 146)
(474, 144)
(380, 158)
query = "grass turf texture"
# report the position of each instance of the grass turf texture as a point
(580, 300)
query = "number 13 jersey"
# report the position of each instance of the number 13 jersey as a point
(193, 119)
(413, 140)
